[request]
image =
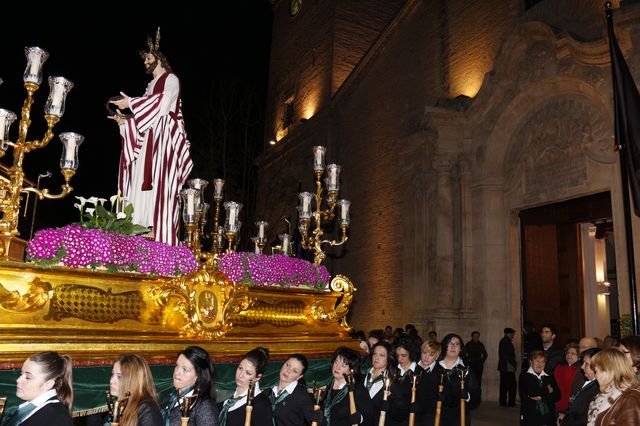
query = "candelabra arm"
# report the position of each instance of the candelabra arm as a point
(52, 120)
(65, 190)
(25, 119)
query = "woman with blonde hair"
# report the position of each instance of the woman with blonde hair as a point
(45, 386)
(131, 375)
(619, 399)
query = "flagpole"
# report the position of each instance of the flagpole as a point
(623, 150)
(631, 267)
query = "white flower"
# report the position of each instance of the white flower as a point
(114, 198)
(102, 201)
(78, 206)
(82, 201)
(89, 211)
(93, 200)
(121, 215)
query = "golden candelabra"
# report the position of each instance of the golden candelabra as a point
(312, 239)
(11, 187)
(195, 213)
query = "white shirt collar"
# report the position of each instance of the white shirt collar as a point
(242, 401)
(539, 376)
(412, 367)
(428, 367)
(42, 398)
(458, 362)
(290, 388)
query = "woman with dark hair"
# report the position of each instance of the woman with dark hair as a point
(576, 414)
(454, 374)
(45, 386)
(538, 393)
(290, 402)
(407, 355)
(565, 373)
(335, 406)
(234, 409)
(383, 365)
(630, 347)
(193, 373)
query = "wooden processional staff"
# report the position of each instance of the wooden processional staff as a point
(414, 381)
(186, 405)
(352, 399)
(318, 395)
(116, 407)
(249, 407)
(385, 397)
(439, 403)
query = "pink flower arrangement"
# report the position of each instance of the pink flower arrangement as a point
(77, 247)
(276, 270)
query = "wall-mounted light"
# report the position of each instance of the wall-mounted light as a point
(604, 288)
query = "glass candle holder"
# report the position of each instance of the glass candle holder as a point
(70, 143)
(36, 57)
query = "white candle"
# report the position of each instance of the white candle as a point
(285, 243)
(261, 230)
(3, 134)
(232, 215)
(190, 203)
(332, 176)
(305, 204)
(318, 156)
(345, 210)
(70, 152)
(56, 100)
(218, 184)
(35, 65)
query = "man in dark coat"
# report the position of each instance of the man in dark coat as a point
(507, 367)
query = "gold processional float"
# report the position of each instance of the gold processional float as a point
(96, 314)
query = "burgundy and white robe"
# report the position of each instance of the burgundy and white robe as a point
(155, 160)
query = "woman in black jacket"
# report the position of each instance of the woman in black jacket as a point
(193, 374)
(383, 366)
(539, 393)
(234, 409)
(335, 405)
(577, 412)
(45, 386)
(290, 402)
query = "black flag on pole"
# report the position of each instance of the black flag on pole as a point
(626, 102)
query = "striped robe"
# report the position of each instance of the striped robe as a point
(155, 160)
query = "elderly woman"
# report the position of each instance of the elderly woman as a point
(576, 413)
(618, 402)
(630, 346)
(565, 373)
(538, 393)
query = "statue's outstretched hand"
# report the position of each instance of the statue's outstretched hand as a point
(121, 102)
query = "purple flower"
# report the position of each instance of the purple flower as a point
(276, 270)
(77, 247)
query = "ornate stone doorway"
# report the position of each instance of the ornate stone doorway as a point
(560, 256)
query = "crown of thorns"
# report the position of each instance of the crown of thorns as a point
(154, 46)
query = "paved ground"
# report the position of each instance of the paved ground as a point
(489, 413)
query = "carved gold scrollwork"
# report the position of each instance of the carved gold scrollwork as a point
(319, 311)
(35, 298)
(203, 302)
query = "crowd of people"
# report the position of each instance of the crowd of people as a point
(396, 376)
(590, 382)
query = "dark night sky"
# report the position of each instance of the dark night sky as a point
(228, 47)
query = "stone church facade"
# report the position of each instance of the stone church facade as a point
(449, 118)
